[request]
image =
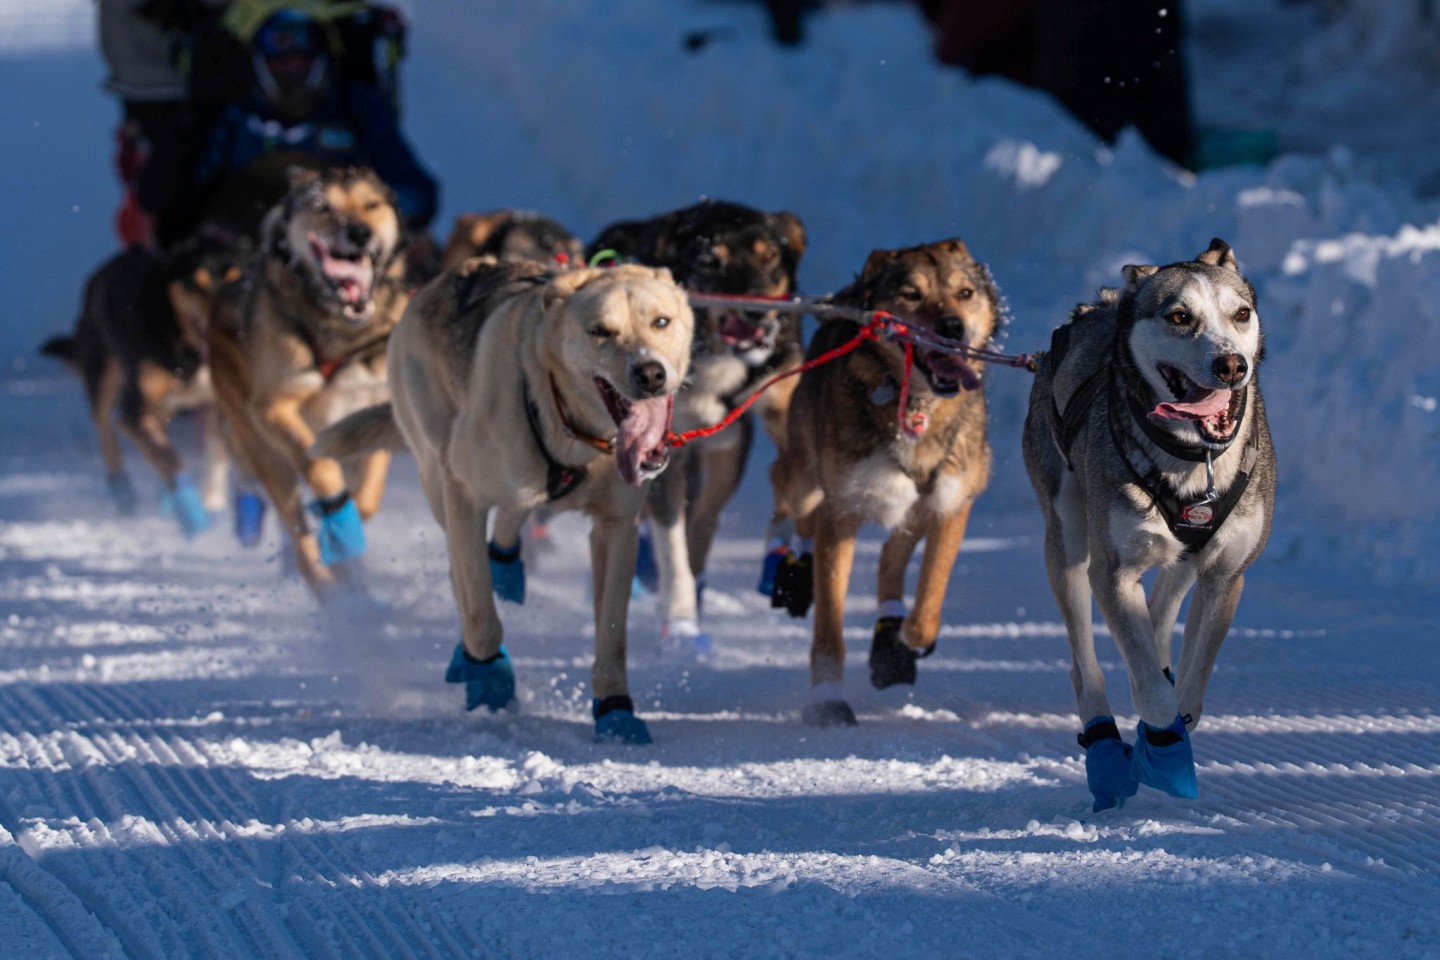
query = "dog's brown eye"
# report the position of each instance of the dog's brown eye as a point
(909, 293)
(372, 205)
(604, 333)
(1178, 317)
(1242, 315)
(967, 293)
(660, 323)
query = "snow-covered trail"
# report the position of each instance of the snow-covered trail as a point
(194, 763)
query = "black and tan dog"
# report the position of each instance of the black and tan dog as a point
(511, 235)
(518, 386)
(854, 456)
(299, 342)
(139, 347)
(716, 247)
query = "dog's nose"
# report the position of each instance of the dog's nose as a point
(358, 233)
(1230, 368)
(648, 377)
(951, 327)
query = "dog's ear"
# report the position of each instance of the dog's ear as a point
(792, 233)
(956, 247)
(272, 230)
(875, 265)
(563, 285)
(1219, 254)
(1136, 274)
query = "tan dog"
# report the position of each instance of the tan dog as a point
(517, 386)
(511, 235)
(300, 342)
(850, 462)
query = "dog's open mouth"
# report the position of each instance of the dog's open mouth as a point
(946, 373)
(1215, 413)
(744, 332)
(350, 274)
(640, 448)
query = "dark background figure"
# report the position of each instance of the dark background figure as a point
(307, 104)
(1111, 63)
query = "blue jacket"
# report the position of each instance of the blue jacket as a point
(354, 125)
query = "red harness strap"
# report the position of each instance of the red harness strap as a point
(870, 331)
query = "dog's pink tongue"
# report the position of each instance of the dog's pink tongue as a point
(642, 436)
(1199, 404)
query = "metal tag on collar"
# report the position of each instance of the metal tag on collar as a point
(1201, 513)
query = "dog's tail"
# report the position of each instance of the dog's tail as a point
(61, 348)
(364, 431)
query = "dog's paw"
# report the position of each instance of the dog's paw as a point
(507, 573)
(892, 660)
(615, 721)
(1163, 759)
(184, 504)
(342, 532)
(1107, 764)
(122, 493)
(249, 517)
(684, 638)
(488, 683)
(794, 585)
(769, 568)
(828, 713)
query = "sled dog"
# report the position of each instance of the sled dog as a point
(521, 385)
(139, 348)
(511, 235)
(1147, 446)
(854, 456)
(716, 247)
(297, 343)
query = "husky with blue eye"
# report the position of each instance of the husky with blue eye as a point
(1147, 446)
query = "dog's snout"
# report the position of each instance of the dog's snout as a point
(951, 327)
(1231, 368)
(358, 233)
(648, 377)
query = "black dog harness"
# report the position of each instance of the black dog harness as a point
(1194, 523)
(560, 479)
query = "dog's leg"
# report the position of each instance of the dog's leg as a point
(894, 560)
(282, 486)
(215, 485)
(834, 557)
(289, 431)
(507, 568)
(1211, 611)
(942, 545)
(142, 418)
(891, 661)
(666, 503)
(369, 482)
(104, 390)
(722, 468)
(1165, 599)
(480, 661)
(613, 541)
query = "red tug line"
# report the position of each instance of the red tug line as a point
(874, 325)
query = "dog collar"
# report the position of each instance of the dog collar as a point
(603, 444)
(560, 479)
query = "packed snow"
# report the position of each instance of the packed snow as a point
(196, 761)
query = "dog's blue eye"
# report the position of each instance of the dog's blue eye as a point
(661, 323)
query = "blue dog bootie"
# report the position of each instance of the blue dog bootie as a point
(488, 683)
(184, 504)
(773, 558)
(249, 516)
(507, 572)
(615, 720)
(1107, 764)
(1164, 760)
(342, 532)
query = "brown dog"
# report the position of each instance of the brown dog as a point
(511, 235)
(716, 247)
(139, 347)
(299, 343)
(854, 456)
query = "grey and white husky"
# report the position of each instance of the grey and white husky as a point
(1147, 446)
